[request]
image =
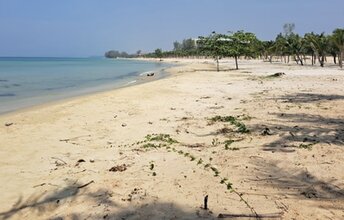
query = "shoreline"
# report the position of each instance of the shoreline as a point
(158, 148)
(139, 79)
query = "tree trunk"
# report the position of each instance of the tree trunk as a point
(236, 62)
(300, 59)
(312, 59)
(315, 59)
(304, 58)
(341, 56)
(335, 58)
(217, 64)
(321, 60)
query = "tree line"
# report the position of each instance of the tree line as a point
(118, 54)
(287, 46)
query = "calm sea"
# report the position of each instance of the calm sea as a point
(26, 82)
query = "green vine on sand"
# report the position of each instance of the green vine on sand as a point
(241, 127)
(164, 141)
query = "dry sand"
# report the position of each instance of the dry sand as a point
(289, 166)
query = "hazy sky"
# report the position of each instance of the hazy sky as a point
(90, 27)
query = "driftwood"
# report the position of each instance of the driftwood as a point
(118, 168)
(206, 202)
(42, 184)
(279, 74)
(259, 216)
(70, 139)
(82, 186)
(56, 158)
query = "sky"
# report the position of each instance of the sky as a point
(81, 28)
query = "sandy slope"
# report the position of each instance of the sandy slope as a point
(40, 177)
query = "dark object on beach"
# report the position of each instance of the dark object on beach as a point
(279, 74)
(206, 202)
(150, 74)
(82, 186)
(196, 145)
(8, 124)
(42, 184)
(246, 216)
(310, 193)
(266, 132)
(58, 161)
(119, 168)
(205, 97)
(124, 125)
(79, 161)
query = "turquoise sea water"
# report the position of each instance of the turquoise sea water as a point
(26, 82)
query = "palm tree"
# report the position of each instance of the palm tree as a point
(333, 49)
(319, 43)
(295, 47)
(308, 46)
(266, 48)
(338, 40)
(281, 46)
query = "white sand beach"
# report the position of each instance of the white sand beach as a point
(88, 158)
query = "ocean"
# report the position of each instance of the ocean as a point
(25, 82)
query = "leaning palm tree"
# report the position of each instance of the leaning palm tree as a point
(338, 40)
(266, 48)
(333, 50)
(295, 45)
(308, 46)
(281, 47)
(319, 43)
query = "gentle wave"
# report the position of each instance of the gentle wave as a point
(29, 81)
(132, 82)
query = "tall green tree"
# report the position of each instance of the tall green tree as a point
(288, 29)
(333, 49)
(320, 43)
(158, 53)
(308, 46)
(241, 43)
(281, 46)
(266, 48)
(214, 46)
(295, 45)
(188, 44)
(338, 40)
(177, 46)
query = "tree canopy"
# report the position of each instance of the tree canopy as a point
(116, 54)
(240, 44)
